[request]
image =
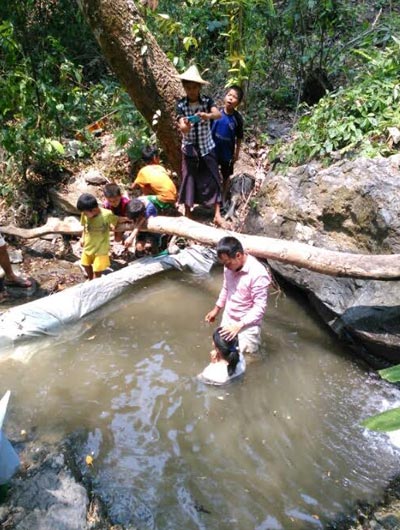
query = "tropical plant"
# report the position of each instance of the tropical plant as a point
(389, 420)
(356, 117)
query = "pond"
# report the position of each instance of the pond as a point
(280, 449)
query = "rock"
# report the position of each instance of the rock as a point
(352, 206)
(15, 256)
(49, 498)
(95, 176)
(65, 199)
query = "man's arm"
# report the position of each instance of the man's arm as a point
(220, 303)
(259, 292)
(211, 315)
(255, 314)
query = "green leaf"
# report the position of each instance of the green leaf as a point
(391, 374)
(54, 145)
(384, 422)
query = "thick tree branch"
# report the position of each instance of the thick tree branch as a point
(330, 262)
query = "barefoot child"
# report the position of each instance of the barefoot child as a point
(227, 133)
(226, 361)
(95, 238)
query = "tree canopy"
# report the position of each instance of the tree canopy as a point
(63, 68)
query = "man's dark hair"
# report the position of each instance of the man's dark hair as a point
(111, 190)
(238, 90)
(135, 209)
(87, 202)
(230, 246)
(149, 152)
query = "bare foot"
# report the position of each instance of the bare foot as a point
(18, 281)
(220, 221)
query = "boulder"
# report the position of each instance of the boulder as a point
(351, 206)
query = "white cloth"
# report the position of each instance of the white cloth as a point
(217, 373)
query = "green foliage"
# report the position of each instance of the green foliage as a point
(227, 33)
(391, 374)
(389, 420)
(385, 422)
(131, 130)
(44, 101)
(353, 117)
(54, 82)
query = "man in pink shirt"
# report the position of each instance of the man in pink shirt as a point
(243, 295)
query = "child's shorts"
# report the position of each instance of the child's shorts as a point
(99, 263)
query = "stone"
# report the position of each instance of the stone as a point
(352, 206)
(95, 176)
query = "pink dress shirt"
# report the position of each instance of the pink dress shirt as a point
(244, 293)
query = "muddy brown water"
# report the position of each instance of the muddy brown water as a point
(281, 449)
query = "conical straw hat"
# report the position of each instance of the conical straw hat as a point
(192, 74)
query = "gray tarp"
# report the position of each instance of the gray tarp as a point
(48, 316)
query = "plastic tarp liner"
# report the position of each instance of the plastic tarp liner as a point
(47, 316)
(9, 460)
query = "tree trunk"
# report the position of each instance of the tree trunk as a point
(332, 263)
(141, 66)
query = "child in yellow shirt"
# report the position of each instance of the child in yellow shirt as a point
(95, 238)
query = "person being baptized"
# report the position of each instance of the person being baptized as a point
(226, 361)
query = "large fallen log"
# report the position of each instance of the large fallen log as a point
(330, 262)
(54, 225)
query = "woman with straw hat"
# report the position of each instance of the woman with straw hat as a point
(201, 181)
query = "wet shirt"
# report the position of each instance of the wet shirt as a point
(157, 178)
(244, 293)
(217, 373)
(224, 132)
(199, 135)
(97, 232)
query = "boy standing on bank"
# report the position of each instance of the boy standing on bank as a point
(95, 238)
(227, 133)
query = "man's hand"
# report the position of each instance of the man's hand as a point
(210, 317)
(229, 332)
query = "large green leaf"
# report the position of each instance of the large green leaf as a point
(391, 374)
(384, 422)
